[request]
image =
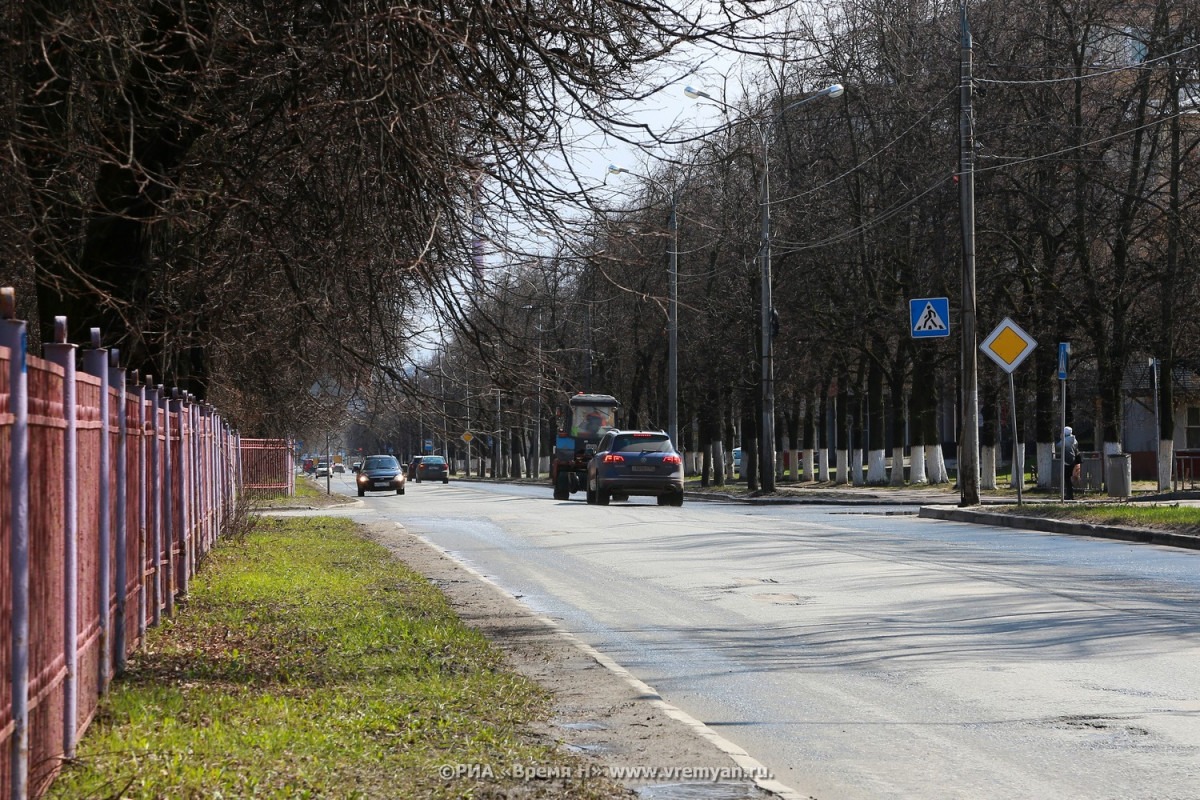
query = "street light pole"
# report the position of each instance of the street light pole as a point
(968, 450)
(672, 309)
(767, 444)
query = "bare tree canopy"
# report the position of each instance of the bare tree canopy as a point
(247, 198)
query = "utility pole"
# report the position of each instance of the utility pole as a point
(968, 445)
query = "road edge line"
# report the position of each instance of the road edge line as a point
(647, 692)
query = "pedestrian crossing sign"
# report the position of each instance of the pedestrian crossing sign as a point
(929, 317)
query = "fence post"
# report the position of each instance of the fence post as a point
(62, 353)
(224, 466)
(12, 336)
(210, 474)
(180, 522)
(95, 362)
(155, 488)
(168, 516)
(116, 377)
(143, 492)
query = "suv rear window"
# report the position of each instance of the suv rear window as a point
(642, 443)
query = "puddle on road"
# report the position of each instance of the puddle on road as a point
(874, 513)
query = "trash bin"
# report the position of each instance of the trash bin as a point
(1120, 475)
(1091, 473)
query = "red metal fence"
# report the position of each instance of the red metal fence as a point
(109, 494)
(266, 467)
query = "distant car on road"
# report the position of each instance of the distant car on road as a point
(433, 468)
(412, 467)
(322, 469)
(380, 473)
(339, 467)
(635, 463)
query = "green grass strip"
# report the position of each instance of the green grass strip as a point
(307, 662)
(1184, 519)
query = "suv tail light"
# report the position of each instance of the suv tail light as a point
(672, 459)
(613, 458)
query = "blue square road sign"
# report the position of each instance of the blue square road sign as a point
(929, 317)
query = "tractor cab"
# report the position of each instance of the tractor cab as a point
(582, 423)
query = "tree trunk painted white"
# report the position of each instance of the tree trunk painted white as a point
(794, 466)
(718, 454)
(1166, 463)
(1045, 463)
(935, 463)
(897, 478)
(809, 463)
(987, 467)
(916, 470)
(877, 467)
(856, 463)
(843, 466)
(823, 470)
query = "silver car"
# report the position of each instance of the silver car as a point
(635, 463)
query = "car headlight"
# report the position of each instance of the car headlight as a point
(363, 478)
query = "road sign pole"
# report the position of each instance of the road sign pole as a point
(1008, 346)
(1018, 454)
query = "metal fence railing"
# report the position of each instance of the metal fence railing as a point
(110, 491)
(267, 467)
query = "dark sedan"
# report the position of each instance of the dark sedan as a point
(380, 473)
(635, 463)
(433, 468)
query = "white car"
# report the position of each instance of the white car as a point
(737, 460)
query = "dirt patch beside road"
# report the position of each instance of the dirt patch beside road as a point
(610, 718)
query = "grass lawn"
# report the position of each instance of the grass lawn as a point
(306, 662)
(1165, 516)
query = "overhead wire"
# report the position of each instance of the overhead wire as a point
(1100, 74)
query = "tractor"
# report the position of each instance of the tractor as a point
(582, 422)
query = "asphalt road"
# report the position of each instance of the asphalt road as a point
(864, 655)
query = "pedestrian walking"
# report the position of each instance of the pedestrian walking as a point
(1071, 459)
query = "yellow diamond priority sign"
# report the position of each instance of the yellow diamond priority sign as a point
(467, 437)
(1008, 345)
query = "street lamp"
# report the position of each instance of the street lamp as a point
(672, 308)
(767, 446)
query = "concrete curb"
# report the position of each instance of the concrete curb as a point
(1139, 535)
